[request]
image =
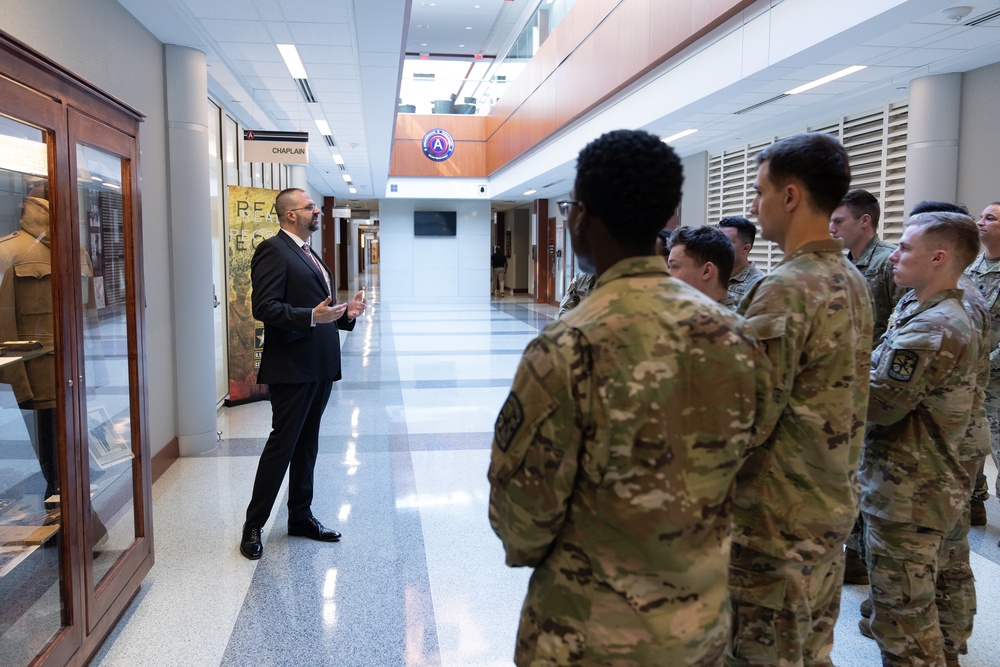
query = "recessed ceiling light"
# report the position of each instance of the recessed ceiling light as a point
(461, 46)
(347, 177)
(324, 127)
(826, 79)
(679, 135)
(338, 158)
(530, 192)
(292, 61)
(353, 191)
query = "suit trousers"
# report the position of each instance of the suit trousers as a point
(296, 412)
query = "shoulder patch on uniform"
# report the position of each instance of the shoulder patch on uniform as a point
(508, 422)
(904, 362)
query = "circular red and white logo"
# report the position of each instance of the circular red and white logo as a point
(438, 145)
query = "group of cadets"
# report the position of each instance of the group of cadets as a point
(683, 479)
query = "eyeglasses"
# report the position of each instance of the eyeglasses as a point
(564, 206)
(311, 207)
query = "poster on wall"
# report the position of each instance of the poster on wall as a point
(251, 220)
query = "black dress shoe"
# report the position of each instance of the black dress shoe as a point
(251, 546)
(312, 529)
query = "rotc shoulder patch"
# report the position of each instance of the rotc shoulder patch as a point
(904, 362)
(508, 422)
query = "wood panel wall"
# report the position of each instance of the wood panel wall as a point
(599, 48)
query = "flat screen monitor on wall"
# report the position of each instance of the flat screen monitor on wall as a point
(434, 223)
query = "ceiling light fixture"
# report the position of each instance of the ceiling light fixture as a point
(353, 191)
(347, 177)
(530, 192)
(956, 14)
(324, 128)
(292, 61)
(679, 135)
(338, 158)
(826, 79)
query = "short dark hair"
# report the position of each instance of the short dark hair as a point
(931, 206)
(956, 229)
(861, 202)
(707, 244)
(631, 181)
(283, 202)
(746, 230)
(817, 160)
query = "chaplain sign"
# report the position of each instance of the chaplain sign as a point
(268, 146)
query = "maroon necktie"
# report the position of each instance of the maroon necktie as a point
(326, 279)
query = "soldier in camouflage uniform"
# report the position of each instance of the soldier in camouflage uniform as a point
(702, 257)
(855, 222)
(985, 274)
(796, 494)
(613, 461)
(742, 233)
(915, 487)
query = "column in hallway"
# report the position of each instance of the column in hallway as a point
(932, 139)
(191, 248)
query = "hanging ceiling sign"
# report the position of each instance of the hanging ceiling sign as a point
(268, 146)
(438, 145)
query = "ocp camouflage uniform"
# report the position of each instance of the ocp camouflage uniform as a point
(914, 485)
(796, 494)
(874, 265)
(578, 289)
(956, 589)
(612, 473)
(741, 283)
(986, 277)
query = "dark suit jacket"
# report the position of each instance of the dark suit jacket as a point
(286, 287)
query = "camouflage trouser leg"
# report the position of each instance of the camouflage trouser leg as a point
(993, 417)
(956, 585)
(902, 569)
(980, 487)
(783, 612)
(856, 540)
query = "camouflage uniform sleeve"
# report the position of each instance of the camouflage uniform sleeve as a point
(905, 369)
(774, 315)
(536, 446)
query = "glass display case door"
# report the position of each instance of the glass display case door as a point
(38, 573)
(110, 410)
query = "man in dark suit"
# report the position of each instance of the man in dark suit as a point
(292, 296)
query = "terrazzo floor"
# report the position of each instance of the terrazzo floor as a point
(418, 579)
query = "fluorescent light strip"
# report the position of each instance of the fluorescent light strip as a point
(292, 61)
(826, 79)
(324, 127)
(530, 192)
(338, 158)
(353, 191)
(347, 177)
(679, 135)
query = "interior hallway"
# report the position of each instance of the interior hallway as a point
(418, 579)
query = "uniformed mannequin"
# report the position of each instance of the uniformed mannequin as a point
(26, 314)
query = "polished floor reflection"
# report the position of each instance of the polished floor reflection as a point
(418, 579)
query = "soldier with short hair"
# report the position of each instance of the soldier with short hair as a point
(796, 492)
(745, 275)
(914, 486)
(613, 460)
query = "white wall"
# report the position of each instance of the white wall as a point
(979, 139)
(105, 45)
(431, 269)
